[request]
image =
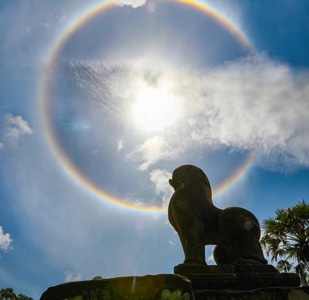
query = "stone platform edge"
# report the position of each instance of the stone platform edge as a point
(163, 287)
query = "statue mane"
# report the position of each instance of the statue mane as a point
(188, 173)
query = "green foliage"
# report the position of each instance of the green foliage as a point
(9, 294)
(286, 236)
(23, 297)
(98, 278)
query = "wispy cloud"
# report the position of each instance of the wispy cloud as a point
(249, 104)
(151, 151)
(72, 276)
(133, 3)
(5, 240)
(256, 104)
(172, 243)
(119, 145)
(160, 179)
(15, 127)
(210, 258)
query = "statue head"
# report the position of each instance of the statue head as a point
(188, 173)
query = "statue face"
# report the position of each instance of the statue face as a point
(172, 184)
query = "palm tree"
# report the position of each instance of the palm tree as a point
(286, 236)
(284, 265)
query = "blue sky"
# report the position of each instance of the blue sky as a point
(100, 113)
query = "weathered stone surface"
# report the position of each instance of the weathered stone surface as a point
(234, 230)
(275, 293)
(164, 287)
(150, 287)
(241, 277)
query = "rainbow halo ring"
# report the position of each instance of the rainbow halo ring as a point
(47, 86)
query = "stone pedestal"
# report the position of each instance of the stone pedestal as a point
(150, 287)
(240, 277)
(171, 287)
(271, 293)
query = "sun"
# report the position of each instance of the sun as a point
(155, 110)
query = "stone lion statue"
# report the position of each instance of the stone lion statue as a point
(235, 231)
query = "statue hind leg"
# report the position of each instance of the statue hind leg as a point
(241, 232)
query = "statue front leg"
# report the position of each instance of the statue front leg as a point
(190, 230)
(193, 244)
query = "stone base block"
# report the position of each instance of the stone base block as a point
(150, 287)
(271, 293)
(241, 277)
(165, 287)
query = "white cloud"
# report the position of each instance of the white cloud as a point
(119, 145)
(5, 240)
(172, 243)
(210, 259)
(209, 251)
(72, 276)
(136, 201)
(151, 151)
(1, 145)
(249, 104)
(160, 178)
(255, 104)
(16, 127)
(133, 3)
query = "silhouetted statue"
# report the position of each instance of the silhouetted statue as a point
(234, 230)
